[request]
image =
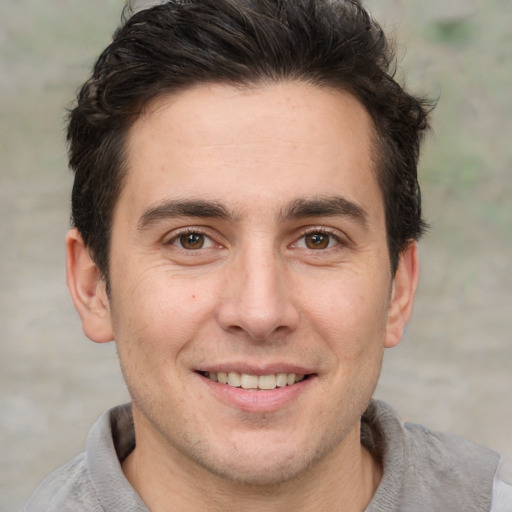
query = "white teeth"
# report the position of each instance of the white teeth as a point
(234, 379)
(281, 380)
(246, 381)
(249, 381)
(267, 382)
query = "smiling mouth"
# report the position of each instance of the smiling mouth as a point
(255, 382)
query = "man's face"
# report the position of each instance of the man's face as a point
(249, 244)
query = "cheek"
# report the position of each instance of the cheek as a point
(350, 314)
(159, 314)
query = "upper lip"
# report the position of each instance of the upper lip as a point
(254, 369)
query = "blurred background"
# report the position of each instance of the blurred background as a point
(453, 370)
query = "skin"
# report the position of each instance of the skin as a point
(288, 270)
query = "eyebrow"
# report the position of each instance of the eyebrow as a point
(324, 206)
(184, 208)
(329, 206)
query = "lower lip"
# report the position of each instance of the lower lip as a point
(258, 400)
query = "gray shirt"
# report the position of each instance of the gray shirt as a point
(423, 470)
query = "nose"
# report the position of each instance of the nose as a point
(258, 298)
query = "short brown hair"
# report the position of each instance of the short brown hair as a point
(181, 43)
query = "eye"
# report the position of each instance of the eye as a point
(317, 240)
(192, 241)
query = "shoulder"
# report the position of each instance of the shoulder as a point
(67, 489)
(449, 453)
(502, 491)
(427, 470)
(422, 448)
(93, 481)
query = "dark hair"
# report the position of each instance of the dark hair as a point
(181, 43)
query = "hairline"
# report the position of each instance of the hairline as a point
(151, 104)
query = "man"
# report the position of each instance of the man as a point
(246, 214)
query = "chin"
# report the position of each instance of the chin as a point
(263, 466)
(263, 473)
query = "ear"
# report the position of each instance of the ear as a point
(87, 289)
(402, 295)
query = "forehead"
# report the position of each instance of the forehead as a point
(271, 144)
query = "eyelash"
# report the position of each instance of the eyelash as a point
(322, 231)
(309, 231)
(184, 232)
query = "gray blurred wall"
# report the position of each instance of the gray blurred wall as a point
(453, 370)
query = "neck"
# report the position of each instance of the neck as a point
(344, 481)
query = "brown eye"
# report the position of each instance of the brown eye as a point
(317, 240)
(192, 241)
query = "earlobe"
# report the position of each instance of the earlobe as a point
(402, 295)
(87, 289)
